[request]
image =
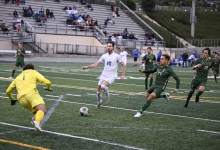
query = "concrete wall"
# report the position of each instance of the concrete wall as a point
(6, 45)
(64, 39)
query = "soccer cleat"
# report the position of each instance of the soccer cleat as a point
(36, 125)
(99, 103)
(137, 115)
(167, 95)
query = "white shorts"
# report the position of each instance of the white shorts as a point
(110, 80)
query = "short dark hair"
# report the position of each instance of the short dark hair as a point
(28, 66)
(216, 53)
(167, 57)
(207, 49)
(149, 48)
(111, 42)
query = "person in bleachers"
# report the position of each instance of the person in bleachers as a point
(117, 12)
(15, 14)
(52, 15)
(125, 33)
(89, 6)
(48, 12)
(83, 2)
(4, 28)
(17, 2)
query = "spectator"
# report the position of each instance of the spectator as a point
(4, 28)
(125, 33)
(117, 12)
(89, 6)
(192, 60)
(185, 59)
(15, 14)
(135, 56)
(195, 54)
(47, 12)
(159, 54)
(52, 15)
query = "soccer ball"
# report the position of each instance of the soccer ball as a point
(84, 111)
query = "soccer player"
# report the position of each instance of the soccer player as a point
(215, 66)
(109, 73)
(149, 59)
(20, 54)
(27, 93)
(200, 78)
(163, 73)
(124, 55)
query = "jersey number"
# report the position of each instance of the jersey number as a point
(109, 63)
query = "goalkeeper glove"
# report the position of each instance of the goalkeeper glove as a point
(13, 102)
(48, 89)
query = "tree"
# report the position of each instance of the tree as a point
(148, 5)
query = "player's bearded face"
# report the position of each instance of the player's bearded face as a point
(109, 47)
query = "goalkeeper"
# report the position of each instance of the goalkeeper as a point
(28, 95)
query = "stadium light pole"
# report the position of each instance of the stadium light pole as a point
(193, 18)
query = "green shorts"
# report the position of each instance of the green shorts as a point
(19, 63)
(196, 83)
(155, 89)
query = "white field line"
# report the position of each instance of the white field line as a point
(212, 132)
(75, 95)
(76, 137)
(118, 108)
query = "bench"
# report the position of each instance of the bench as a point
(10, 52)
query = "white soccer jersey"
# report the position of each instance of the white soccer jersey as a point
(142, 55)
(123, 56)
(110, 65)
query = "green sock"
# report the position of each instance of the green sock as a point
(146, 105)
(146, 80)
(151, 82)
(190, 94)
(199, 93)
(13, 73)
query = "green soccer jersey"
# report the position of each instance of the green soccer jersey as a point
(149, 61)
(202, 72)
(163, 74)
(20, 57)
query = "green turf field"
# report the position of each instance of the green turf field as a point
(166, 125)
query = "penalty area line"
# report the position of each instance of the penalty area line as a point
(78, 137)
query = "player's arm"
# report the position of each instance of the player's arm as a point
(123, 70)
(173, 74)
(148, 71)
(41, 79)
(9, 90)
(92, 65)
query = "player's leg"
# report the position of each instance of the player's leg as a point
(151, 95)
(13, 70)
(146, 81)
(194, 85)
(201, 90)
(105, 85)
(151, 79)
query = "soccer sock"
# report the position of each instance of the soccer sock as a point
(146, 80)
(151, 82)
(197, 95)
(39, 116)
(105, 88)
(188, 98)
(146, 105)
(13, 73)
(99, 96)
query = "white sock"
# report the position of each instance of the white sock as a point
(105, 88)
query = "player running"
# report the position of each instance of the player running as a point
(200, 78)
(109, 73)
(163, 74)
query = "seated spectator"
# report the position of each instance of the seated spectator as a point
(47, 12)
(89, 6)
(65, 8)
(83, 2)
(125, 33)
(52, 15)
(4, 29)
(117, 12)
(15, 14)
(110, 20)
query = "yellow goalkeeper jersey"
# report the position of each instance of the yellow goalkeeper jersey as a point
(26, 82)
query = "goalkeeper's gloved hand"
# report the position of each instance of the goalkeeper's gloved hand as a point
(48, 89)
(13, 102)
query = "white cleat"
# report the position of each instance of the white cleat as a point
(137, 115)
(167, 96)
(36, 125)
